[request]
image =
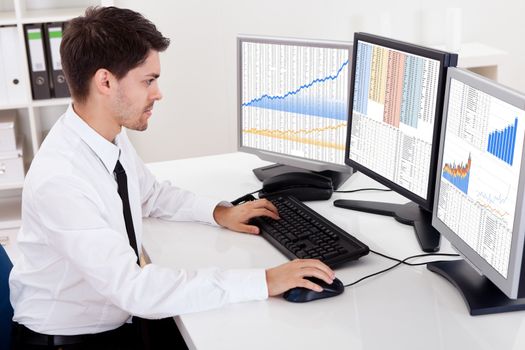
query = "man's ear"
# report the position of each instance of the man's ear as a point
(103, 81)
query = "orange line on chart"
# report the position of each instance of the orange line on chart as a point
(294, 135)
(493, 210)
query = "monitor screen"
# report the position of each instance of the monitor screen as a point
(479, 196)
(293, 101)
(397, 91)
(396, 101)
(394, 104)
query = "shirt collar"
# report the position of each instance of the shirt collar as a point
(106, 151)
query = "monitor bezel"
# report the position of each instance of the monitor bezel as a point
(444, 59)
(511, 284)
(282, 158)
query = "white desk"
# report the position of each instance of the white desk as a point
(407, 308)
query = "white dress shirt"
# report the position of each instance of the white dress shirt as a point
(77, 272)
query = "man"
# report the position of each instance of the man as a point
(77, 282)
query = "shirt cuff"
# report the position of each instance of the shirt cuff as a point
(246, 284)
(204, 208)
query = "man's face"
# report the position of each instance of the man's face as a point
(137, 92)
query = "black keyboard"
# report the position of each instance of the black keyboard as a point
(303, 233)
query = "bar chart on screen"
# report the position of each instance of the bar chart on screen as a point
(501, 143)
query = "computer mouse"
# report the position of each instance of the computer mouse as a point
(302, 295)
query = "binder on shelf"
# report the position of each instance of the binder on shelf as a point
(37, 61)
(57, 79)
(12, 82)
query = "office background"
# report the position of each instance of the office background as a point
(198, 113)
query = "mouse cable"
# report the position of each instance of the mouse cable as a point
(399, 262)
(365, 189)
(404, 261)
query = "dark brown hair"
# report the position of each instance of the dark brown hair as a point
(106, 37)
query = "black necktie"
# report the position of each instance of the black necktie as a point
(122, 182)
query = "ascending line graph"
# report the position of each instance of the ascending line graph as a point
(297, 100)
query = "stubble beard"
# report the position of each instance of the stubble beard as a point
(128, 116)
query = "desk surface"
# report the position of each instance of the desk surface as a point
(406, 308)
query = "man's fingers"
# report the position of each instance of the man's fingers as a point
(269, 205)
(264, 203)
(264, 212)
(317, 273)
(314, 263)
(310, 285)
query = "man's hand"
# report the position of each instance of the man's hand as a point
(236, 218)
(281, 278)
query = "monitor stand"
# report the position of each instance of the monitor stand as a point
(408, 214)
(479, 293)
(338, 178)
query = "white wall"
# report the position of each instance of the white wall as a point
(198, 113)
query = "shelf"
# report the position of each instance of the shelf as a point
(14, 106)
(11, 186)
(51, 15)
(10, 212)
(472, 55)
(7, 18)
(480, 58)
(38, 103)
(480, 55)
(51, 102)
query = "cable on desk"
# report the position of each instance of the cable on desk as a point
(246, 198)
(249, 196)
(365, 189)
(399, 262)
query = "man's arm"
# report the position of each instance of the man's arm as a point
(168, 202)
(77, 230)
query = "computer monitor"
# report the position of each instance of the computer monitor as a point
(396, 99)
(479, 201)
(293, 104)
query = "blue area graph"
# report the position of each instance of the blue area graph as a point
(502, 142)
(460, 182)
(300, 101)
(458, 174)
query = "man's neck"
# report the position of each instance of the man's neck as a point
(98, 119)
